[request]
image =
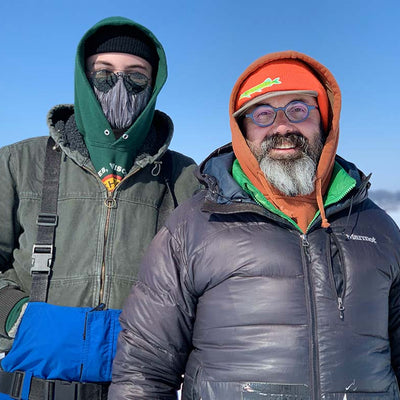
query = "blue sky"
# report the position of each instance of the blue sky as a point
(208, 45)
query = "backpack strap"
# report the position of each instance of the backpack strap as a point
(12, 385)
(43, 249)
(169, 200)
(166, 172)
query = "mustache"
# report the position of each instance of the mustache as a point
(295, 139)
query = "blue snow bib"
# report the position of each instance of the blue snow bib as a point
(68, 343)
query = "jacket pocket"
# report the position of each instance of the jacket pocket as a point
(212, 390)
(99, 345)
(391, 394)
(360, 396)
(337, 272)
(273, 391)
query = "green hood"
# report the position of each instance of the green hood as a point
(89, 116)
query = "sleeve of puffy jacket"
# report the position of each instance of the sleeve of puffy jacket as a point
(11, 294)
(394, 304)
(156, 321)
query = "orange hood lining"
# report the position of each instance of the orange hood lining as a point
(249, 163)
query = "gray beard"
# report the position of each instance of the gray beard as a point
(292, 177)
(121, 108)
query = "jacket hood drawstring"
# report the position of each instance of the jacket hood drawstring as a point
(318, 193)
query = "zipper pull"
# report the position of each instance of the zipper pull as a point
(305, 241)
(100, 307)
(306, 247)
(340, 308)
(110, 202)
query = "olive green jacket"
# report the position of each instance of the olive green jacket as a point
(101, 236)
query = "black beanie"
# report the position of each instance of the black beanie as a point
(122, 39)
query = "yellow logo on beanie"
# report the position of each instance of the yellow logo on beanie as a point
(256, 89)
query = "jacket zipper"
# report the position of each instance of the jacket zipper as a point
(110, 202)
(339, 295)
(309, 296)
(100, 307)
(340, 308)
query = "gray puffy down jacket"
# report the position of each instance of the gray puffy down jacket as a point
(247, 307)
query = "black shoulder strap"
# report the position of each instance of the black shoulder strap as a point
(164, 167)
(43, 249)
(166, 171)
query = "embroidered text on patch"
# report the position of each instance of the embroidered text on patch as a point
(267, 83)
(362, 238)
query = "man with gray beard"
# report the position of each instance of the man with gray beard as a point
(281, 279)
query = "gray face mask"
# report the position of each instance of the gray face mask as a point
(120, 107)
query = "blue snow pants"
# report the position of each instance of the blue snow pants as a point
(64, 343)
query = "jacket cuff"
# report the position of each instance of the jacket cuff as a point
(9, 297)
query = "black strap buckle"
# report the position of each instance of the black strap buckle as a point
(11, 384)
(42, 255)
(65, 390)
(47, 219)
(16, 384)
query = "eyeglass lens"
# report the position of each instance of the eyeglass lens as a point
(295, 112)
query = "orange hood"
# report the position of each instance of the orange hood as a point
(300, 208)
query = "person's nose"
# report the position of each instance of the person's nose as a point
(282, 125)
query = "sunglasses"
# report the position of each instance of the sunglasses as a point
(104, 80)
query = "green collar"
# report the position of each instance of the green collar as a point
(340, 185)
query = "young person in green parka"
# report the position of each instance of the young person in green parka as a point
(117, 184)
